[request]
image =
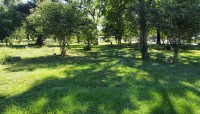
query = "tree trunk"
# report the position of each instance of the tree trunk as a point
(158, 37)
(27, 36)
(130, 43)
(63, 47)
(143, 29)
(97, 42)
(143, 40)
(39, 41)
(119, 40)
(78, 38)
(88, 45)
(6, 41)
(175, 56)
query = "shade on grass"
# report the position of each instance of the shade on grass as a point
(105, 80)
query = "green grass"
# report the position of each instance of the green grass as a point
(104, 80)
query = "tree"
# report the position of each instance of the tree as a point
(157, 18)
(25, 10)
(88, 31)
(57, 19)
(114, 15)
(140, 10)
(183, 22)
(93, 10)
(9, 21)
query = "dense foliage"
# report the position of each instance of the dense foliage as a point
(9, 21)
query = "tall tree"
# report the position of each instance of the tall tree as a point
(140, 10)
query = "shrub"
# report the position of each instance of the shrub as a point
(9, 59)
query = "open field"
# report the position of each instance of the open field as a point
(107, 80)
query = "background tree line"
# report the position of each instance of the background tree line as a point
(65, 20)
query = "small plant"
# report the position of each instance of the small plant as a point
(136, 47)
(168, 47)
(8, 59)
(86, 48)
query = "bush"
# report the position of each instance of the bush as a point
(86, 48)
(136, 46)
(6, 59)
(168, 47)
(9, 59)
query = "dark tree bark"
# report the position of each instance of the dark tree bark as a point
(39, 41)
(158, 37)
(28, 36)
(144, 5)
(78, 40)
(143, 32)
(143, 40)
(97, 42)
(62, 44)
(175, 56)
(6, 41)
(175, 53)
(88, 45)
(119, 40)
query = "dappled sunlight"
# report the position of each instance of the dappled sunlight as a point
(99, 57)
(98, 83)
(143, 76)
(185, 104)
(41, 102)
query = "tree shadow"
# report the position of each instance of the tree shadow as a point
(90, 88)
(169, 85)
(106, 88)
(49, 62)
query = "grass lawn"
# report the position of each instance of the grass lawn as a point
(105, 80)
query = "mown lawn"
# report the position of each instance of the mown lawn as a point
(104, 80)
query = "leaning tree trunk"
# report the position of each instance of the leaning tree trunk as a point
(158, 37)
